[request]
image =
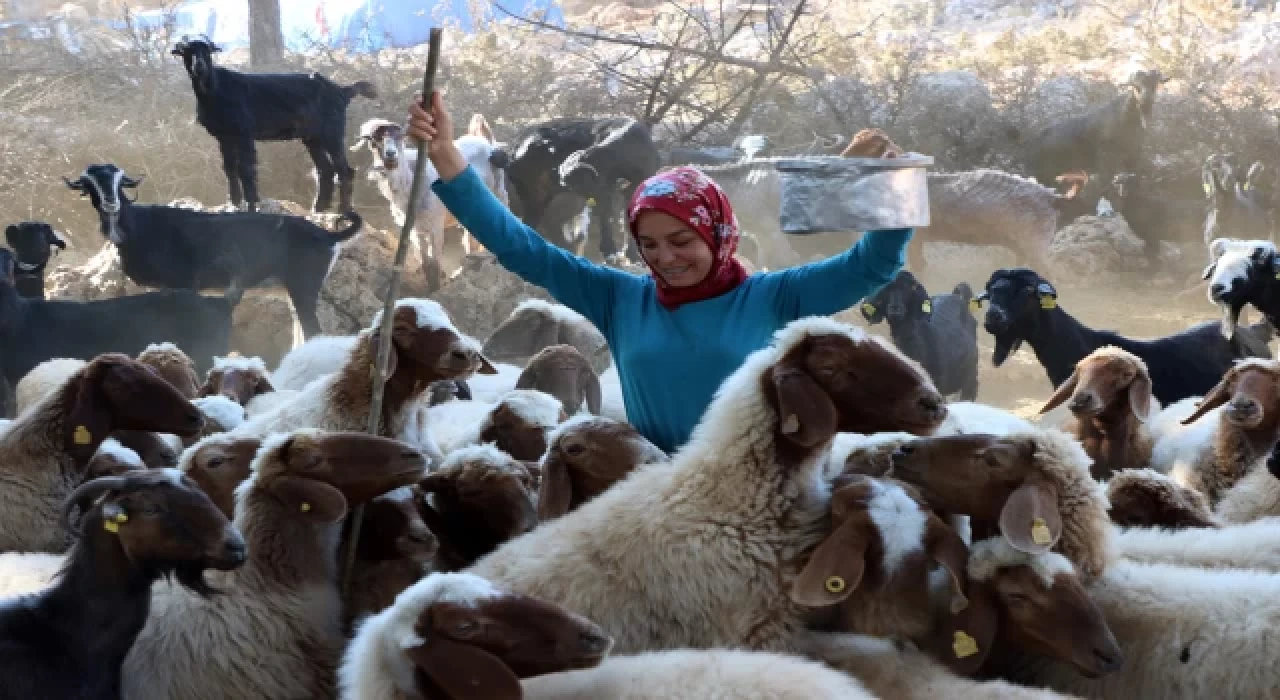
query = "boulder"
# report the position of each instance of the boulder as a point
(358, 281)
(100, 277)
(263, 325)
(1093, 246)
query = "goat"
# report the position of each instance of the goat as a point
(1024, 306)
(238, 109)
(30, 241)
(1106, 140)
(70, 640)
(1240, 273)
(179, 248)
(1235, 208)
(396, 549)
(939, 332)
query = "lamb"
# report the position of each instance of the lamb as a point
(517, 424)
(238, 109)
(939, 332)
(1252, 545)
(69, 640)
(393, 172)
(175, 248)
(1147, 498)
(1243, 272)
(1234, 207)
(1242, 428)
(30, 242)
(536, 324)
(461, 637)
(35, 330)
(476, 500)
(237, 378)
(218, 464)
(734, 510)
(561, 371)
(585, 456)
(1110, 402)
(1035, 486)
(1024, 306)
(283, 606)
(45, 450)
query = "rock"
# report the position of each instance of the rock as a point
(484, 294)
(100, 277)
(1093, 246)
(354, 290)
(263, 326)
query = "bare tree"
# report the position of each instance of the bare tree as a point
(266, 39)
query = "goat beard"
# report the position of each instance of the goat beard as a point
(1005, 346)
(190, 575)
(1230, 318)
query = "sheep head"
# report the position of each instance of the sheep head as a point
(1144, 85)
(218, 464)
(1250, 391)
(1147, 498)
(174, 366)
(385, 140)
(394, 529)
(1015, 300)
(116, 392)
(561, 371)
(901, 300)
(1107, 379)
(104, 185)
(237, 378)
(1035, 602)
(197, 56)
(426, 347)
(162, 521)
(535, 324)
(1241, 272)
(520, 422)
(30, 241)
(585, 456)
(579, 175)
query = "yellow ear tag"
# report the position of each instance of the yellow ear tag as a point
(591, 202)
(1207, 188)
(110, 526)
(1278, 275)
(121, 518)
(1048, 302)
(869, 308)
(927, 306)
(1040, 532)
(81, 436)
(306, 507)
(964, 645)
(834, 584)
(975, 305)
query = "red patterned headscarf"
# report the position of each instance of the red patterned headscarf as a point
(690, 196)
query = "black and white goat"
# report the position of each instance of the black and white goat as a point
(1236, 208)
(1243, 273)
(178, 248)
(239, 109)
(1024, 307)
(32, 243)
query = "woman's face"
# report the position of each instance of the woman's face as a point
(674, 253)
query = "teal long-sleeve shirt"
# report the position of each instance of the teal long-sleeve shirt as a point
(670, 363)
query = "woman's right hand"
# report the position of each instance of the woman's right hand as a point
(435, 128)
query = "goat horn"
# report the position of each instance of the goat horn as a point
(126, 181)
(88, 490)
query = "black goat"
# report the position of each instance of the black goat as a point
(239, 109)
(1023, 306)
(30, 242)
(588, 157)
(183, 249)
(1236, 208)
(1154, 216)
(1105, 141)
(70, 640)
(939, 332)
(35, 330)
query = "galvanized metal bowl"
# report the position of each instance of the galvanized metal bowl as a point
(825, 194)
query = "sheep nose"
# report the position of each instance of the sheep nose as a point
(234, 551)
(1108, 662)
(931, 403)
(592, 643)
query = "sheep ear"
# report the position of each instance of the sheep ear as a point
(1217, 396)
(264, 386)
(212, 383)
(1062, 393)
(806, 415)
(946, 548)
(360, 142)
(486, 367)
(90, 418)
(464, 672)
(963, 640)
(1030, 520)
(54, 239)
(1140, 397)
(318, 500)
(591, 388)
(10, 232)
(556, 493)
(1208, 271)
(835, 568)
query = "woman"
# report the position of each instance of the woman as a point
(677, 334)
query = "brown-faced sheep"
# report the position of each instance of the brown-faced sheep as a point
(396, 549)
(585, 456)
(218, 464)
(237, 378)
(518, 423)
(562, 372)
(535, 324)
(174, 366)
(1147, 498)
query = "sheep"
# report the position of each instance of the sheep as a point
(237, 378)
(1111, 402)
(518, 423)
(1035, 486)
(238, 109)
(44, 379)
(425, 347)
(561, 371)
(112, 459)
(1106, 140)
(318, 356)
(1243, 272)
(1023, 306)
(491, 388)
(476, 500)
(1234, 208)
(1242, 428)
(393, 172)
(461, 637)
(1147, 498)
(174, 366)
(939, 332)
(70, 639)
(34, 330)
(283, 607)
(712, 537)
(30, 242)
(1252, 545)
(175, 248)
(218, 464)
(45, 450)
(966, 417)
(221, 414)
(585, 456)
(535, 324)
(395, 550)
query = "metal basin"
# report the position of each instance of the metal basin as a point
(826, 194)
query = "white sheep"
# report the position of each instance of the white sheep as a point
(320, 356)
(1254, 545)
(42, 380)
(518, 423)
(1255, 496)
(489, 388)
(969, 417)
(700, 551)
(536, 324)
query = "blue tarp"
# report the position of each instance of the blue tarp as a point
(359, 25)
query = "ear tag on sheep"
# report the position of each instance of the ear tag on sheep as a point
(869, 309)
(834, 584)
(306, 507)
(927, 306)
(1048, 302)
(81, 436)
(964, 645)
(1040, 532)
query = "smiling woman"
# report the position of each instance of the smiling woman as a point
(677, 335)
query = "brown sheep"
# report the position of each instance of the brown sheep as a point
(1147, 498)
(218, 464)
(562, 371)
(174, 366)
(237, 378)
(586, 455)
